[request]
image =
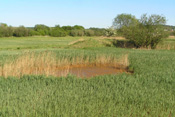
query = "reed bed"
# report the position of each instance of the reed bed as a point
(46, 63)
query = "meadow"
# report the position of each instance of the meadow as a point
(149, 91)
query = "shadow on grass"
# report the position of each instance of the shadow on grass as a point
(123, 44)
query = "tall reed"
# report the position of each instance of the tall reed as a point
(48, 64)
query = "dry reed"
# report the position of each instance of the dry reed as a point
(48, 64)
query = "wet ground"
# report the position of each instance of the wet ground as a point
(91, 71)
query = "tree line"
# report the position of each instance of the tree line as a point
(57, 31)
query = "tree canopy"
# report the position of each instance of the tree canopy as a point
(124, 20)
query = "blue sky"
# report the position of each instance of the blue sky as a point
(88, 13)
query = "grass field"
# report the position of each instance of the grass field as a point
(150, 91)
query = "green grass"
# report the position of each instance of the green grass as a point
(150, 91)
(34, 42)
(167, 44)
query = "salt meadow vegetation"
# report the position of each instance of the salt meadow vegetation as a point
(35, 78)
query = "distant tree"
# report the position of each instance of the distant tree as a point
(10, 31)
(89, 32)
(58, 32)
(5, 31)
(148, 31)
(99, 31)
(67, 28)
(75, 33)
(174, 33)
(3, 25)
(32, 32)
(77, 27)
(21, 32)
(42, 29)
(57, 26)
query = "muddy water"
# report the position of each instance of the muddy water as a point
(91, 71)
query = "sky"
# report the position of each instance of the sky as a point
(88, 13)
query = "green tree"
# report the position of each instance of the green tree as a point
(58, 32)
(21, 32)
(67, 29)
(32, 32)
(75, 33)
(77, 27)
(124, 20)
(148, 31)
(89, 32)
(42, 29)
(5, 30)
